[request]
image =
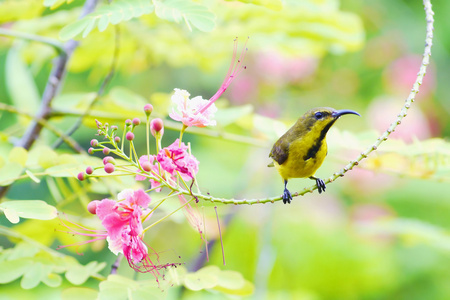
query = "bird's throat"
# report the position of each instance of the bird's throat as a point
(318, 143)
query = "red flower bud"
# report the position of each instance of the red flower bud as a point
(129, 136)
(89, 170)
(147, 166)
(81, 176)
(157, 126)
(136, 121)
(148, 108)
(109, 168)
(92, 207)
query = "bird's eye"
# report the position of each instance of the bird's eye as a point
(318, 115)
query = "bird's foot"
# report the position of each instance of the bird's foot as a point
(287, 197)
(320, 185)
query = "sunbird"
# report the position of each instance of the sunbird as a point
(302, 149)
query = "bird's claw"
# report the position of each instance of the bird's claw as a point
(320, 185)
(287, 197)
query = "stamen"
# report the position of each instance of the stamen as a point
(220, 235)
(233, 71)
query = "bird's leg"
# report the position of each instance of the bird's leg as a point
(286, 194)
(320, 184)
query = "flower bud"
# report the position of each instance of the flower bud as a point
(81, 176)
(129, 136)
(106, 150)
(128, 122)
(89, 170)
(99, 124)
(109, 168)
(91, 150)
(92, 207)
(136, 121)
(117, 139)
(157, 126)
(114, 127)
(148, 109)
(109, 159)
(94, 143)
(147, 166)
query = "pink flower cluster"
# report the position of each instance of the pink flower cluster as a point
(122, 220)
(172, 159)
(123, 223)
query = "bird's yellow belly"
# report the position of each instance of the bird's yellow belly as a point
(296, 166)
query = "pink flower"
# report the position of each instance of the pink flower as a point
(175, 158)
(124, 232)
(198, 111)
(188, 110)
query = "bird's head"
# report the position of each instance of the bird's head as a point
(320, 119)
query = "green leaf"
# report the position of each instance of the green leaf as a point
(52, 280)
(271, 4)
(33, 276)
(116, 287)
(76, 293)
(12, 269)
(20, 83)
(31, 175)
(22, 250)
(30, 209)
(190, 12)
(205, 278)
(73, 29)
(11, 215)
(231, 280)
(18, 155)
(88, 28)
(233, 283)
(9, 173)
(78, 274)
(245, 290)
(116, 12)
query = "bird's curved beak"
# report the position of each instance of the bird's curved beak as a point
(336, 114)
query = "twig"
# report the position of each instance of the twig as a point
(59, 47)
(116, 264)
(44, 123)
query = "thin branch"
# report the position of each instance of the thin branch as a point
(59, 47)
(44, 123)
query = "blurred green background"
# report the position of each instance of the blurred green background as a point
(380, 232)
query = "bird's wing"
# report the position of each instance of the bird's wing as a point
(280, 151)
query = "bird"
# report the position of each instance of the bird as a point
(302, 149)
